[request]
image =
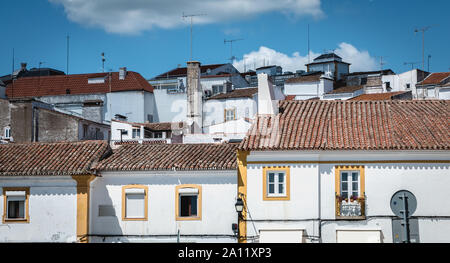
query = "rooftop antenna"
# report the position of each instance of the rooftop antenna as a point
(309, 60)
(423, 29)
(191, 17)
(381, 62)
(103, 61)
(411, 63)
(67, 61)
(231, 47)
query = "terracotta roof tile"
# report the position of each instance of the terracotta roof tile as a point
(353, 125)
(434, 78)
(237, 93)
(346, 89)
(171, 156)
(76, 84)
(378, 96)
(61, 158)
(305, 78)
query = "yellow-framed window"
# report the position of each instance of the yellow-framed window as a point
(188, 202)
(134, 203)
(16, 205)
(276, 183)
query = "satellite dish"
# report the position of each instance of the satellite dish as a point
(403, 201)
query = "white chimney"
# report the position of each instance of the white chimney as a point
(194, 97)
(122, 73)
(266, 96)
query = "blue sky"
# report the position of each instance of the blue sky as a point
(151, 37)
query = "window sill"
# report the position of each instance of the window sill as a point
(350, 217)
(134, 219)
(9, 221)
(189, 218)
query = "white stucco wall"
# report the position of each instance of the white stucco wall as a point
(307, 90)
(218, 212)
(312, 193)
(170, 107)
(52, 210)
(135, 105)
(213, 110)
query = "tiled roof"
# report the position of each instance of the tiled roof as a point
(61, 158)
(178, 72)
(434, 78)
(143, 157)
(305, 78)
(237, 93)
(353, 125)
(346, 89)
(382, 72)
(75, 84)
(163, 126)
(379, 96)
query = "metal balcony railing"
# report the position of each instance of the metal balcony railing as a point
(350, 208)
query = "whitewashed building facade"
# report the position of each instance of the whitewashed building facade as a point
(325, 171)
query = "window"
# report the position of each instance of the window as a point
(134, 202)
(188, 202)
(276, 183)
(349, 184)
(15, 205)
(230, 114)
(388, 86)
(408, 86)
(216, 89)
(350, 196)
(136, 133)
(85, 131)
(7, 133)
(157, 135)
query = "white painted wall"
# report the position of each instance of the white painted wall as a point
(307, 90)
(52, 210)
(218, 212)
(135, 105)
(312, 193)
(213, 110)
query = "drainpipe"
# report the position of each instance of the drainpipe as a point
(319, 200)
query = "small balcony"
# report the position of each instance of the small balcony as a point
(352, 208)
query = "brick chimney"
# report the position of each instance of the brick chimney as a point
(194, 97)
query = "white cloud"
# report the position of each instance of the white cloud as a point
(360, 60)
(135, 16)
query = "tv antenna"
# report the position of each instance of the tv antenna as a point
(411, 63)
(423, 29)
(231, 47)
(381, 61)
(191, 17)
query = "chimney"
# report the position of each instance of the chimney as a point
(266, 96)
(23, 66)
(194, 97)
(122, 73)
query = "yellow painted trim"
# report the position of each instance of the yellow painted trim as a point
(339, 168)
(286, 169)
(337, 171)
(27, 198)
(349, 162)
(83, 196)
(242, 193)
(177, 203)
(134, 186)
